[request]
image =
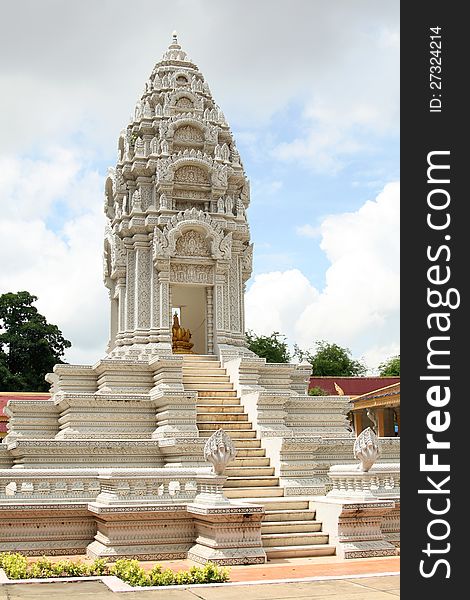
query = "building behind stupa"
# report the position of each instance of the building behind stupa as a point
(113, 464)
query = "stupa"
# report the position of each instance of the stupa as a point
(113, 464)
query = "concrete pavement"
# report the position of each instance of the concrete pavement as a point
(360, 588)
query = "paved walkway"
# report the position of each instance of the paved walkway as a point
(368, 588)
(355, 580)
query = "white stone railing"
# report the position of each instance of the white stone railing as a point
(107, 486)
(381, 481)
(48, 484)
(179, 485)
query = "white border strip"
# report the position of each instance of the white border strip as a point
(117, 585)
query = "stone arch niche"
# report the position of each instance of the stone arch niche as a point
(192, 268)
(191, 186)
(188, 136)
(185, 101)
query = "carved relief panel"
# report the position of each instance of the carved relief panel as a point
(192, 243)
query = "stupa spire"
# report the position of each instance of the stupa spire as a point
(176, 205)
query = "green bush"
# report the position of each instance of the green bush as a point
(130, 571)
(16, 566)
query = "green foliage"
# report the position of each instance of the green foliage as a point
(273, 347)
(16, 566)
(130, 571)
(29, 345)
(391, 367)
(331, 360)
(317, 391)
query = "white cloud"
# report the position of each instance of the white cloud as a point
(61, 266)
(62, 112)
(308, 231)
(359, 304)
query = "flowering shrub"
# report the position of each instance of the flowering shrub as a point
(16, 566)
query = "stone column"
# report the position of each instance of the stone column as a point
(209, 320)
(114, 321)
(130, 293)
(121, 293)
(165, 306)
(142, 274)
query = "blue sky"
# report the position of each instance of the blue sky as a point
(310, 90)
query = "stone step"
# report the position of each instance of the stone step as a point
(218, 409)
(281, 505)
(209, 387)
(218, 401)
(274, 516)
(274, 552)
(290, 527)
(219, 394)
(248, 471)
(255, 461)
(235, 434)
(198, 357)
(201, 365)
(203, 377)
(222, 417)
(253, 492)
(243, 482)
(226, 424)
(246, 448)
(202, 371)
(295, 539)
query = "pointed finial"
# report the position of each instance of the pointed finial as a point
(175, 37)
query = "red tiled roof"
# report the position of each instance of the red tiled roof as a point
(352, 386)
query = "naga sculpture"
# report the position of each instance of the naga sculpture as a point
(219, 450)
(366, 449)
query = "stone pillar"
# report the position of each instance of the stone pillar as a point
(142, 275)
(165, 306)
(130, 293)
(209, 320)
(121, 293)
(226, 533)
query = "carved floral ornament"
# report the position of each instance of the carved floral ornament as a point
(164, 242)
(185, 99)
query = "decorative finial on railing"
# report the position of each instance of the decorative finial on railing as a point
(219, 450)
(366, 449)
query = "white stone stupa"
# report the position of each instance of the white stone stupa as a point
(113, 464)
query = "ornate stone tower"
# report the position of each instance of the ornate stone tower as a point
(177, 235)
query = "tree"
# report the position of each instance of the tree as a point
(317, 391)
(29, 345)
(273, 347)
(331, 360)
(391, 367)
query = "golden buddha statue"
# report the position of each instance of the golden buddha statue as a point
(180, 338)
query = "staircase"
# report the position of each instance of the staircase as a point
(289, 528)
